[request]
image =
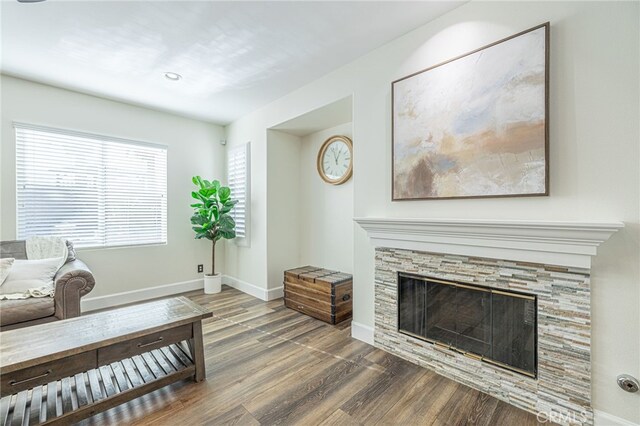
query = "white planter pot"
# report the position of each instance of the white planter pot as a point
(212, 283)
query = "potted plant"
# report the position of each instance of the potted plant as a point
(211, 220)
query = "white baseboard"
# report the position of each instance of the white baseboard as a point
(362, 332)
(275, 293)
(600, 418)
(111, 300)
(253, 290)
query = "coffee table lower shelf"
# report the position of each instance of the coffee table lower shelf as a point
(85, 394)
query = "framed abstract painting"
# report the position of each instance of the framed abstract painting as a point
(476, 125)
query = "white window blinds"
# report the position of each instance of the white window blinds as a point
(96, 191)
(238, 178)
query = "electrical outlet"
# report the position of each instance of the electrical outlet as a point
(200, 268)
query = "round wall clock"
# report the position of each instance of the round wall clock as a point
(335, 160)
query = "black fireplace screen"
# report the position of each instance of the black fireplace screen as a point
(497, 326)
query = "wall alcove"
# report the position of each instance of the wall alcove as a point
(310, 222)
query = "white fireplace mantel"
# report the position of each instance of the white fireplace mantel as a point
(553, 243)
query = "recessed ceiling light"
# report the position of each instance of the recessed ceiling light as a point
(29, 1)
(172, 76)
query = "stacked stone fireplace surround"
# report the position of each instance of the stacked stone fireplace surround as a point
(563, 383)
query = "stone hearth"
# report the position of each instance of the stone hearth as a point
(548, 259)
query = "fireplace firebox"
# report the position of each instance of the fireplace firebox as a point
(492, 325)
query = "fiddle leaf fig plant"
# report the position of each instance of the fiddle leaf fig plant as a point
(211, 218)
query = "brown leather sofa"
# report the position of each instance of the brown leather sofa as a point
(72, 281)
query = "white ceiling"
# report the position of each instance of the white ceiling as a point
(234, 56)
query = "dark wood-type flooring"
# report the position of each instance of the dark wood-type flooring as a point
(269, 365)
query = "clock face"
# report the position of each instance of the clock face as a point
(334, 160)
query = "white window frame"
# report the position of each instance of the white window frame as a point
(99, 139)
(244, 241)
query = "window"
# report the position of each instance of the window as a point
(96, 191)
(238, 178)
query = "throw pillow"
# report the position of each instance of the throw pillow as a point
(5, 267)
(72, 252)
(27, 275)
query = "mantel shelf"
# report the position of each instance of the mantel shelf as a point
(569, 244)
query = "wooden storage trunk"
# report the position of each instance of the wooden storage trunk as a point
(320, 293)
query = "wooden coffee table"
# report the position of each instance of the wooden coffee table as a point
(64, 371)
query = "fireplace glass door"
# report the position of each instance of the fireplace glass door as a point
(494, 325)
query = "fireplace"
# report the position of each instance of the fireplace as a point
(495, 326)
(549, 261)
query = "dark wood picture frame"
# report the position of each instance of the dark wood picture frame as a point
(546, 27)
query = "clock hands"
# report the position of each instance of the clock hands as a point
(337, 152)
(335, 155)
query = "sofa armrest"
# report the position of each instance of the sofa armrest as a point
(72, 281)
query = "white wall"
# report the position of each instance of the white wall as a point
(594, 152)
(326, 211)
(193, 148)
(248, 264)
(283, 208)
